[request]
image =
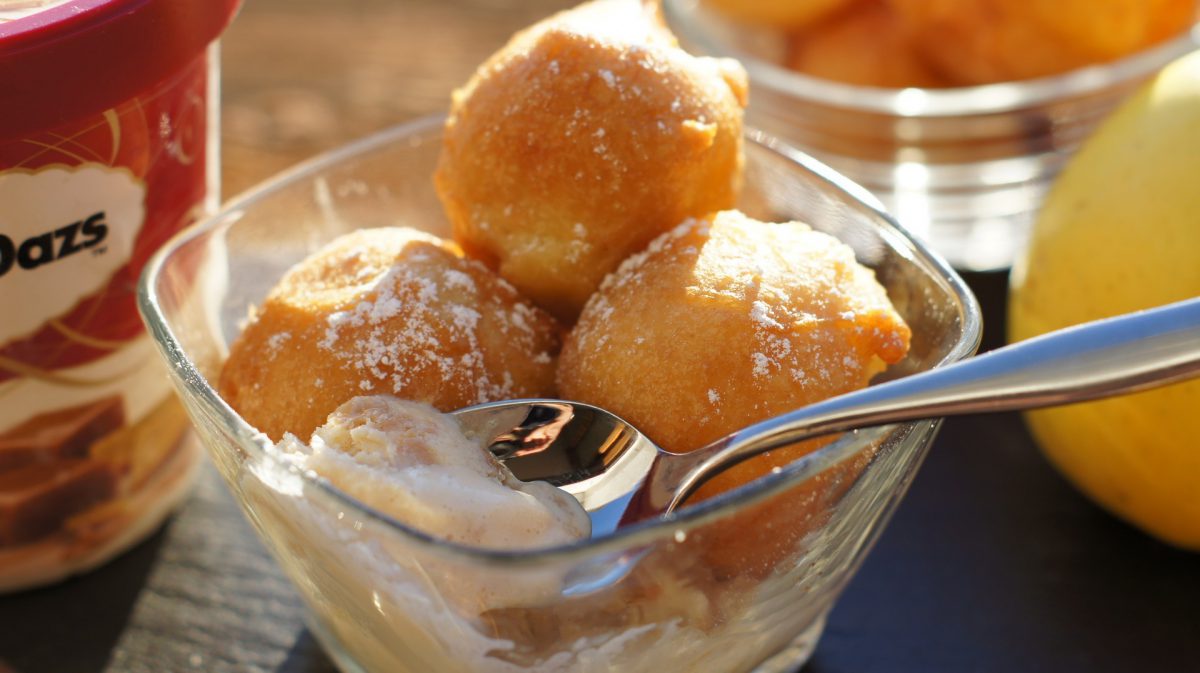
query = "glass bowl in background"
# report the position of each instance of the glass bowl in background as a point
(741, 582)
(966, 168)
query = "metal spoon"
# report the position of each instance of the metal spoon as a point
(620, 476)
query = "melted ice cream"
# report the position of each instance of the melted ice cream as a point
(407, 460)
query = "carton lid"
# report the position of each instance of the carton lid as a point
(83, 56)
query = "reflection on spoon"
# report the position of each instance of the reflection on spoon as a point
(620, 476)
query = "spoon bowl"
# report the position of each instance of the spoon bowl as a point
(594, 455)
(620, 476)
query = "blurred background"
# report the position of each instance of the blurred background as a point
(303, 76)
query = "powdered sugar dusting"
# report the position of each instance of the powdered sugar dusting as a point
(762, 364)
(760, 313)
(466, 319)
(456, 279)
(426, 319)
(276, 341)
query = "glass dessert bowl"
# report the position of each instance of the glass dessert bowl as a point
(696, 591)
(965, 167)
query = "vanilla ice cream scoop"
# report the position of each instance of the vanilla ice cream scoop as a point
(413, 463)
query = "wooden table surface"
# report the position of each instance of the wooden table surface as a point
(992, 563)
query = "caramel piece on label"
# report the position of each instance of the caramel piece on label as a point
(139, 449)
(36, 499)
(62, 434)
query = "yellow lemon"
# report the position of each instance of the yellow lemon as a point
(1120, 231)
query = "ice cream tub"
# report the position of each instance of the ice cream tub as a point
(108, 131)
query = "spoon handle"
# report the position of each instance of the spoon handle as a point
(1099, 359)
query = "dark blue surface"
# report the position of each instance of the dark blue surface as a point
(994, 563)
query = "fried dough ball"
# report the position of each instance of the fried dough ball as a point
(1113, 28)
(723, 322)
(726, 321)
(386, 311)
(779, 13)
(983, 41)
(585, 137)
(863, 45)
